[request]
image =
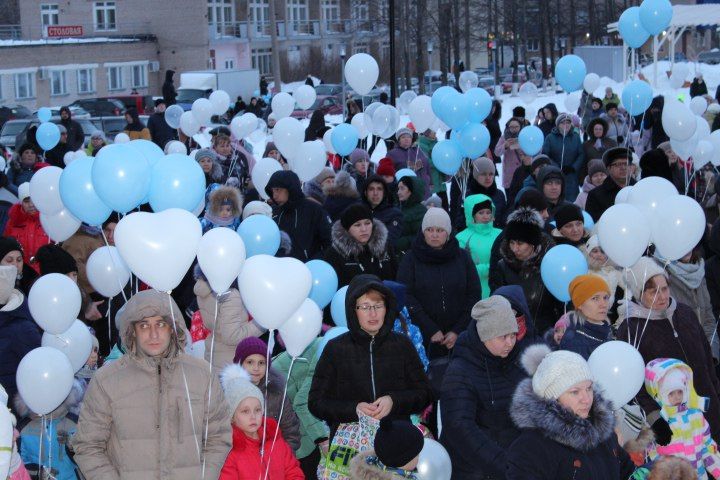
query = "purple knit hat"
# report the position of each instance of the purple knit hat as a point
(250, 346)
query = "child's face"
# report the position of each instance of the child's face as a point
(675, 397)
(558, 334)
(93, 358)
(226, 211)
(483, 216)
(248, 416)
(255, 365)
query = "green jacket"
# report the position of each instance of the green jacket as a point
(312, 429)
(436, 176)
(478, 239)
(413, 212)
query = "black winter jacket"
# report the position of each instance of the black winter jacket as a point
(168, 88)
(356, 367)
(75, 135)
(391, 216)
(475, 403)
(303, 220)
(602, 197)
(18, 335)
(160, 132)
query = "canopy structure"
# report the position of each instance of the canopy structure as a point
(684, 17)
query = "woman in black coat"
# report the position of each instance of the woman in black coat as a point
(479, 384)
(442, 283)
(370, 369)
(360, 245)
(567, 427)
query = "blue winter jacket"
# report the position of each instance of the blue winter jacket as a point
(18, 335)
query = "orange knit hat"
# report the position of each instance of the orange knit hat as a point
(585, 286)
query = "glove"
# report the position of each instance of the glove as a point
(568, 169)
(662, 432)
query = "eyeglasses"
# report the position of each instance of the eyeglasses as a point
(619, 165)
(374, 308)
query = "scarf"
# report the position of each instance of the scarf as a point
(631, 309)
(219, 222)
(598, 144)
(690, 274)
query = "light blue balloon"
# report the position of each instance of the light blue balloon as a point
(480, 104)
(78, 193)
(560, 265)
(455, 111)
(177, 181)
(44, 114)
(121, 177)
(447, 157)
(655, 15)
(439, 96)
(637, 96)
(588, 221)
(344, 139)
(570, 72)
(531, 140)
(260, 235)
(631, 29)
(337, 307)
(404, 172)
(47, 135)
(152, 152)
(329, 335)
(474, 140)
(324, 282)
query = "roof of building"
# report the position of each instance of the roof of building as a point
(703, 15)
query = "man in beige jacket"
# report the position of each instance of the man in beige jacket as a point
(144, 416)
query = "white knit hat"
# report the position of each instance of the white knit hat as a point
(675, 379)
(437, 217)
(237, 386)
(643, 270)
(24, 191)
(556, 372)
(256, 207)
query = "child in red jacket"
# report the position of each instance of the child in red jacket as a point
(245, 462)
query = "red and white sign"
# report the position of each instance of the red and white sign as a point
(59, 31)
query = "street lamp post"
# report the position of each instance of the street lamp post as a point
(342, 80)
(430, 50)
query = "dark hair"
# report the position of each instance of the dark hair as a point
(220, 138)
(407, 182)
(496, 110)
(513, 119)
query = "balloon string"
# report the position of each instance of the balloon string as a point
(109, 316)
(42, 440)
(271, 341)
(50, 436)
(282, 407)
(647, 320)
(112, 260)
(207, 411)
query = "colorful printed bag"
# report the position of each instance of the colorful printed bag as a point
(349, 440)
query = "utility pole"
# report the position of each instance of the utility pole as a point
(393, 77)
(277, 78)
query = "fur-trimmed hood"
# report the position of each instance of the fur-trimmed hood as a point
(344, 186)
(225, 193)
(348, 247)
(529, 411)
(546, 243)
(276, 383)
(363, 467)
(77, 392)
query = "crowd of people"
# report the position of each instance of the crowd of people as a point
(451, 332)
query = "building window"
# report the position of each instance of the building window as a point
(104, 15)
(58, 86)
(260, 17)
(115, 79)
(297, 10)
(49, 13)
(361, 47)
(360, 11)
(229, 64)
(24, 85)
(139, 76)
(86, 80)
(385, 50)
(533, 45)
(262, 60)
(330, 10)
(221, 11)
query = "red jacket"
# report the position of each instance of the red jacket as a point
(28, 231)
(243, 461)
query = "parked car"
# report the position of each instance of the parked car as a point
(488, 83)
(77, 112)
(12, 113)
(328, 89)
(11, 129)
(111, 126)
(87, 126)
(329, 105)
(711, 57)
(101, 107)
(139, 102)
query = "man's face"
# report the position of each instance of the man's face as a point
(375, 193)
(612, 112)
(63, 137)
(280, 196)
(552, 189)
(160, 108)
(618, 170)
(64, 114)
(153, 335)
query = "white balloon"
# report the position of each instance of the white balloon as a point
(703, 128)
(221, 256)
(679, 228)
(202, 110)
(677, 120)
(714, 138)
(200, 207)
(175, 146)
(107, 272)
(45, 190)
(647, 193)
(121, 137)
(244, 125)
(434, 462)
(383, 119)
(309, 160)
(405, 100)
(528, 92)
(80, 153)
(572, 101)
(189, 124)
(288, 134)
(303, 326)
(305, 96)
(369, 114)
(220, 101)
(159, 247)
(60, 226)
(421, 113)
(54, 302)
(361, 72)
(75, 343)
(703, 154)
(684, 149)
(468, 80)
(624, 233)
(265, 279)
(623, 195)
(698, 105)
(619, 369)
(676, 81)
(327, 140)
(44, 379)
(591, 82)
(359, 122)
(679, 73)
(282, 105)
(379, 153)
(261, 173)
(68, 158)
(259, 135)
(172, 116)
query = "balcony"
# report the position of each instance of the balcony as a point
(122, 30)
(297, 29)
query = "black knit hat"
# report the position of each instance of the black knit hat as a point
(615, 153)
(532, 198)
(518, 112)
(9, 244)
(485, 205)
(355, 213)
(568, 212)
(540, 161)
(397, 442)
(53, 259)
(524, 224)
(610, 105)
